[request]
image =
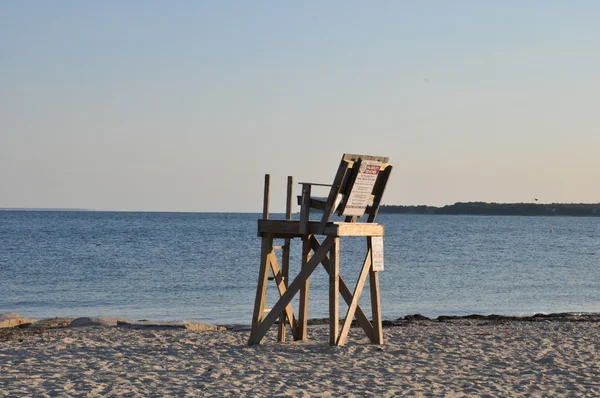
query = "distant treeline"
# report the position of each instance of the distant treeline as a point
(500, 209)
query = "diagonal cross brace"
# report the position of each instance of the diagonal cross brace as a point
(261, 329)
(360, 284)
(289, 312)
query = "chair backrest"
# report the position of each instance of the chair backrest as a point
(357, 189)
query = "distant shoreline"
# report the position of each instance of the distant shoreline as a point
(500, 209)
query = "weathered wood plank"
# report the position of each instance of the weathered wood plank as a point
(285, 264)
(333, 193)
(375, 301)
(334, 291)
(291, 228)
(314, 184)
(289, 198)
(281, 288)
(354, 157)
(346, 188)
(378, 191)
(376, 308)
(304, 210)
(266, 197)
(302, 331)
(285, 271)
(261, 287)
(314, 203)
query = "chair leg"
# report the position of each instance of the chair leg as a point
(334, 292)
(376, 307)
(261, 288)
(375, 301)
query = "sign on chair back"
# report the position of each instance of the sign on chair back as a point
(356, 191)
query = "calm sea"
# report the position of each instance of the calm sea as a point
(204, 266)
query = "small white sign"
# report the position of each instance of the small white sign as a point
(377, 252)
(358, 199)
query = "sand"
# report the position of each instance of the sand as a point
(424, 358)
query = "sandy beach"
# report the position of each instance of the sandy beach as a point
(420, 358)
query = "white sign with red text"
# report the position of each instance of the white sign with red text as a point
(377, 252)
(358, 199)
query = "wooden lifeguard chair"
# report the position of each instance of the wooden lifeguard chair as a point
(356, 191)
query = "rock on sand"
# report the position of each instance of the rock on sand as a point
(12, 319)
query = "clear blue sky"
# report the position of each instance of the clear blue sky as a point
(185, 105)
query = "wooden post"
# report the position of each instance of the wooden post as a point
(285, 257)
(305, 209)
(261, 287)
(290, 194)
(263, 272)
(375, 299)
(334, 291)
(266, 197)
(378, 190)
(303, 305)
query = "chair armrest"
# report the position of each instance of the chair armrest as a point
(313, 203)
(314, 184)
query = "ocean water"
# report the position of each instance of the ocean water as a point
(204, 266)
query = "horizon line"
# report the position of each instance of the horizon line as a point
(59, 209)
